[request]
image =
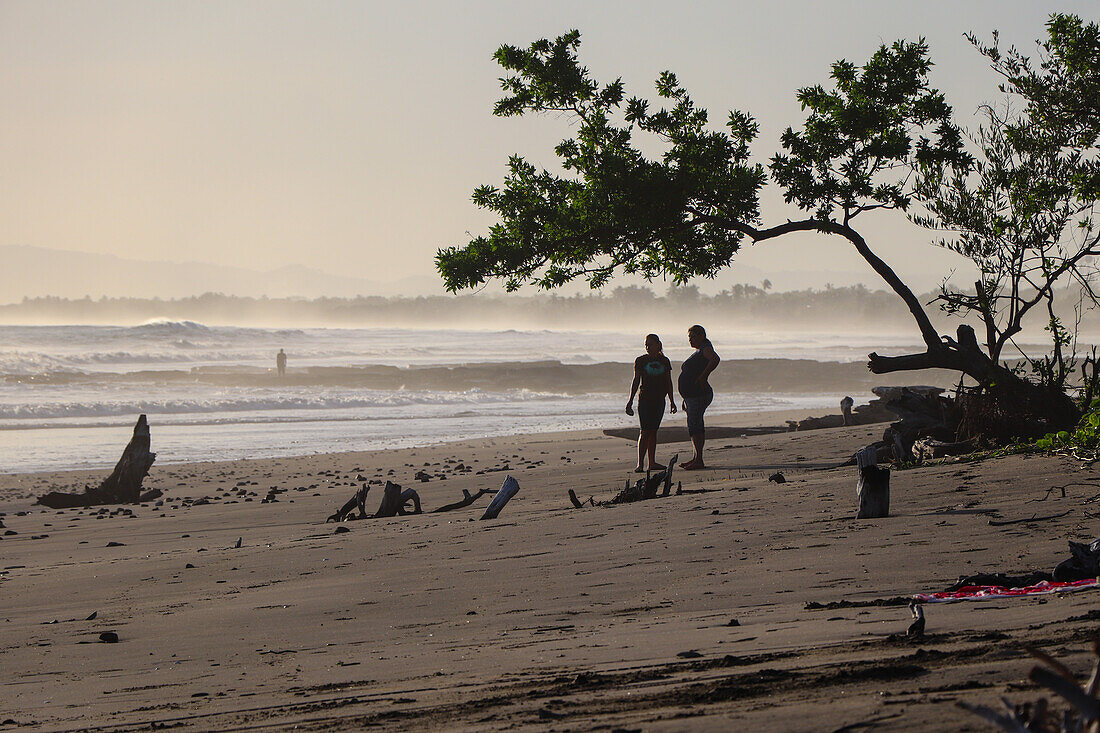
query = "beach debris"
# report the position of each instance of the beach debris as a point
(394, 501)
(1084, 562)
(397, 502)
(508, 489)
(93, 616)
(873, 487)
(777, 478)
(927, 449)
(915, 632)
(640, 490)
(646, 488)
(341, 530)
(357, 501)
(1032, 518)
(733, 622)
(123, 486)
(108, 637)
(237, 546)
(1039, 717)
(467, 500)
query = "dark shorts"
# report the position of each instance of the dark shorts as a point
(650, 414)
(695, 407)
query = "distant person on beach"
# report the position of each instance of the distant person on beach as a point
(696, 390)
(652, 383)
(280, 362)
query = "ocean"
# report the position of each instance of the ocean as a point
(69, 395)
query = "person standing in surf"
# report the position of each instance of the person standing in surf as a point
(280, 363)
(696, 390)
(652, 383)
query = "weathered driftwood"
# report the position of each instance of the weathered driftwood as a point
(509, 489)
(395, 501)
(467, 500)
(357, 501)
(123, 486)
(642, 489)
(873, 487)
(927, 449)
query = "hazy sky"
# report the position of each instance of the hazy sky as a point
(349, 135)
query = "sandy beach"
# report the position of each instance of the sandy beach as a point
(683, 612)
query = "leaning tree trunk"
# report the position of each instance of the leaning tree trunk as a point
(1004, 406)
(123, 486)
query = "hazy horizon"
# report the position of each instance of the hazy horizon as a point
(346, 137)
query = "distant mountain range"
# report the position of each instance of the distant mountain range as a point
(36, 271)
(27, 271)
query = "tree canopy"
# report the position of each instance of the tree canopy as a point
(877, 136)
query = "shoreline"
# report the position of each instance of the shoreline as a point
(549, 616)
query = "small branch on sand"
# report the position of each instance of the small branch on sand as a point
(467, 500)
(1032, 518)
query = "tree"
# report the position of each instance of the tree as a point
(685, 213)
(1022, 209)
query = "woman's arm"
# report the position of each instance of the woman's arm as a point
(712, 362)
(633, 390)
(668, 388)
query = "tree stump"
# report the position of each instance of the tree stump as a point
(507, 491)
(123, 486)
(873, 488)
(394, 500)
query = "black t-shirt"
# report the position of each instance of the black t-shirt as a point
(690, 371)
(654, 371)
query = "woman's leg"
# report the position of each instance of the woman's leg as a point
(653, 465)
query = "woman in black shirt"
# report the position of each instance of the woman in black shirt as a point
(653, 375)
(696, 390)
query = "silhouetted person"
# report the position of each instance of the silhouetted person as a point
(696, 390)
(653, 375)
(280, 362)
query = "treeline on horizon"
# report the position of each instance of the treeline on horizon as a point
(850, 308)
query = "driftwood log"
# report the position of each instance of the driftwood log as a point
(873, 487)
(123, 486)
(509, 489)
(927, 449)
(396, 502)
(640, 490)
(357, 501)
(467, 500)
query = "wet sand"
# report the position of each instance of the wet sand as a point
(683, 612)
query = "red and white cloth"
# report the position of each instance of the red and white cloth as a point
(980, 592)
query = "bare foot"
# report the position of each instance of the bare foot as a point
(657, 467)
(639, 469)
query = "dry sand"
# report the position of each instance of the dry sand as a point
(680, 613)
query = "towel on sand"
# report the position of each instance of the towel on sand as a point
(979, 592)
